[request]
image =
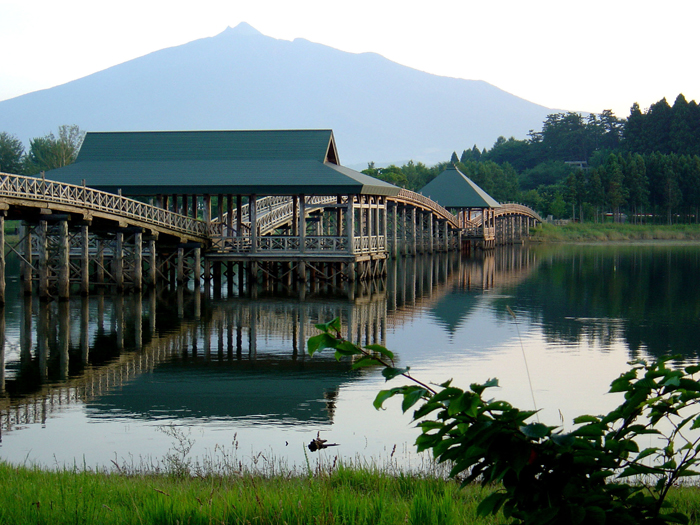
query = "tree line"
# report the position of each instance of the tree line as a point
(642, 168)
(44, 154)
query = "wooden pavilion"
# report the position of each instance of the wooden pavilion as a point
(459, 194)
(266, 196)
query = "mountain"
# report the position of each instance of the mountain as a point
(241, 79)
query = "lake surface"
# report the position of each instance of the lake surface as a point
(127, 379)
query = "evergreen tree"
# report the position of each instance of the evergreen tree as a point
(11, 153)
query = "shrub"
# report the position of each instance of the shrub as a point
(595, 474)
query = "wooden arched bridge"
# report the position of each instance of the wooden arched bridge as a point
(140, 207)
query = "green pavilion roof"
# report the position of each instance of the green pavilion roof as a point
(453, 189)
(277, 162)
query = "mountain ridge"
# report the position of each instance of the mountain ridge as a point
(379, 110)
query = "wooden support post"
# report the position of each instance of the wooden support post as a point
(28, 262)
(43, 260)
(100, 262)
(138, 260)
(152, 262)
(63, 269)
(84, 260)
(197, 268)
(352, 275)
(119, 261)
(431, 232)
(414, 231)
(404, 231)
(446, 237)
(207, 271)
(2, 279)
(217, 273)
(180, 265)
(252, 274)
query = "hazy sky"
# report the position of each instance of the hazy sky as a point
(579, 56)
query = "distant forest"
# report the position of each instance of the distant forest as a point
(642, 168)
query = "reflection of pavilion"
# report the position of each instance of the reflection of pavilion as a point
(187, 355)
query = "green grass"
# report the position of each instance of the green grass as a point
(610, 232)
(347, 496)
(339, 496)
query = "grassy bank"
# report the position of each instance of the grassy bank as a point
(348, 496)
(610, 232)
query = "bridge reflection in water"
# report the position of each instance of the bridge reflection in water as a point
(182, 355)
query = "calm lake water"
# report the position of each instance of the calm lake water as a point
(111, 379)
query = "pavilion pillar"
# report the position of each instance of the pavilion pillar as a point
(395, 231)
(229, 214)
(295, 216)
(206, 203)
(220, 212)
(302, 223)
(253, 213)
(350, 223)
(339, 217)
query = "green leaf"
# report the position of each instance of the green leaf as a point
(333, 325)
(467, 403)
(411, 397)
(586, 419)
(491, 504)
(535, 430)
(674, 517)
(391, 373)
(563, 440)
(692, 369)
(383, 395)
(319, 342)
(380, 350)
(364, 361)
(646, 452)
(479, 388)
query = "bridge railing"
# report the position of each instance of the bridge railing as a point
(411, 197)
(279, 211)
(48, 191)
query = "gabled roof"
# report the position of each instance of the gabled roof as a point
(453, 189)
(278, 162)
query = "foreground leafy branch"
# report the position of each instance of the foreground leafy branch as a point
(595, 474)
